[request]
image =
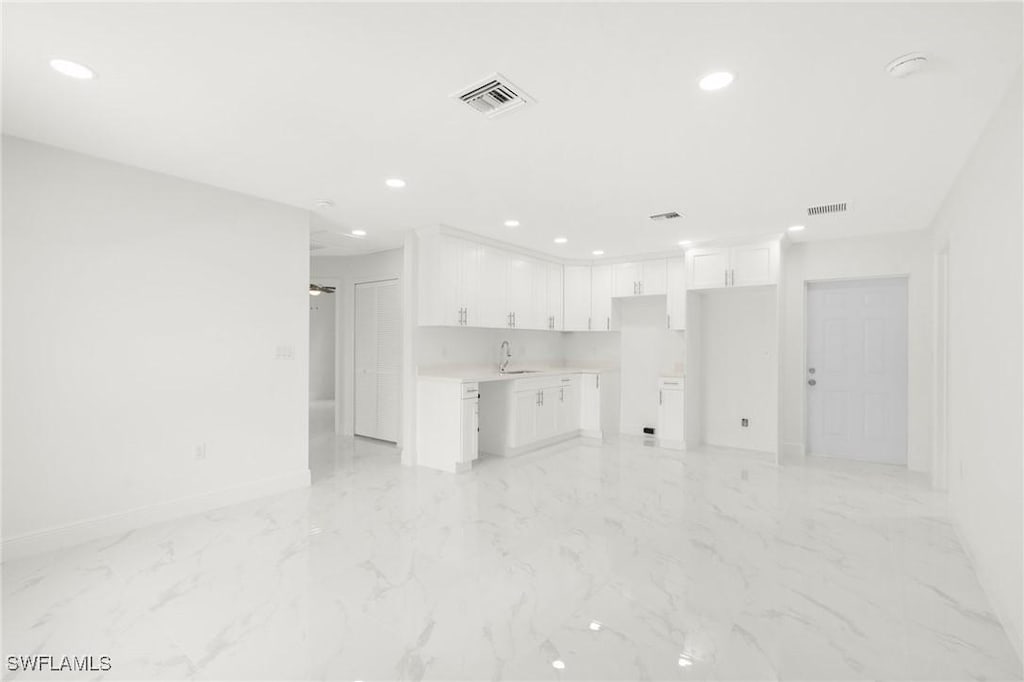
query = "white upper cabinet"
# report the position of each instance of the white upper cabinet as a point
(601, 297)
(638, 279)
(675, 278)
(755, 264)
(576, 296)
(653, 280)
(737, 266)
(626, 279)
(519, 294)
(493, 288)
(449, 281)
(554, 297)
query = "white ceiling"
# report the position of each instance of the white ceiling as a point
(297, 102)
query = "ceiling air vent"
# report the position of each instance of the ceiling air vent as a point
(826, 209)
(493, 96)
(671, 215)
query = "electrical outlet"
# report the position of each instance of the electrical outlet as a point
(744, 422)
(201, 451)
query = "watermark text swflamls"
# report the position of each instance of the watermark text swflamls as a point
(42, 663)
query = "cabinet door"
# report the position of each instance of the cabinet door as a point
(670, 415)
(520, 290)
(467, 266)
(590, 403)
(554, 296)
(470, 430)
(675, 278)
(547, 414)
(493, 287)
(601, 297)
(568, 412)
(626, 279)
(652, 280)
(707, 268)
(538, 317)
(576, 314)
(755, 265)
(526, 405)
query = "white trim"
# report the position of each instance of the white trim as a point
(68, 535)
(793, 449)
(338, 284)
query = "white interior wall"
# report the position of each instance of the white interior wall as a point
(348, 271)
(140, 365)
(321, 347)
(739, 368)
(981, 223)
(648, 351)
(905, 253)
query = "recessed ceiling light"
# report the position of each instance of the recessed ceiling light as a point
(558, 665)
(560, 240)
(359, 233)
(395, 183)
(595, 625)
(796, 228)
(685, 661)
(324, 203)
(598, 252)
(314, 292)
(72, 69)
(511, 223)
(716, 80)
(685, 242)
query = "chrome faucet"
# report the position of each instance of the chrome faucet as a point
(506, 355)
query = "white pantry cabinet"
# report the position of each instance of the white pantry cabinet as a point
(670, 413)
(675, 277)
(735, 266)
(641, 278)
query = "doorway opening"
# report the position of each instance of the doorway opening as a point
(856, 369)
(377, 359)
(323, 343)
(940, 418)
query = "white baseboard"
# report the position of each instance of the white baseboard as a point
(69, 535)
(592, 433)
(998, 607)
(793, 449)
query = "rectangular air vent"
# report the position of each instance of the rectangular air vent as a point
(825, 209)
(493, 96)
(671, 215)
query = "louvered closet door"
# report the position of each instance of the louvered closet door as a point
(378, 345)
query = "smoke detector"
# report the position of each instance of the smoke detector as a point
(908, 64)
(493, 96)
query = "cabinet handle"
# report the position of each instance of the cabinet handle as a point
(608, 323)
(669, 321)
(588, 324)
(514, 320)
(561, 395)
(597, 381)
(659, 397)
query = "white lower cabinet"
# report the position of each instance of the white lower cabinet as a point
(518, 415)
(670, 413)
(590, 405)
(447, 436)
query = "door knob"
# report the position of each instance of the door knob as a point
(810, 370)
(811, 382)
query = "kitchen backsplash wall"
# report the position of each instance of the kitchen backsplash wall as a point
(473, 346)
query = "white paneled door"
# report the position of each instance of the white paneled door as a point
(378, 352)
(856, 373)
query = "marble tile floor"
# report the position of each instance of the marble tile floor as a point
(585, 561)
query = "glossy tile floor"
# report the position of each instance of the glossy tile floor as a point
(585, 562)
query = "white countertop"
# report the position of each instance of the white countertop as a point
(481, 374)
